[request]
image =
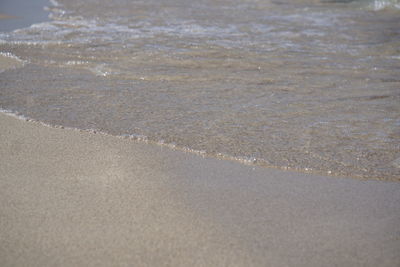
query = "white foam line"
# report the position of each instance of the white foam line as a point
(55, 3)
(378, 5)
(10, 55)
(251, 161)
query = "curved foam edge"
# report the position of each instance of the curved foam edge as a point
(251, 161)
(378, 5)
(10, 61)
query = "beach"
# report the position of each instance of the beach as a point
(159, 133)
(310, 87)
(71, 197)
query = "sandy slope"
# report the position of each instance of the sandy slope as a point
(80, 199)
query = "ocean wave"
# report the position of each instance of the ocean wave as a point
(281, 85)
(377, 5)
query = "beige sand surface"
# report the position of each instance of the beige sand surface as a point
(70, 198)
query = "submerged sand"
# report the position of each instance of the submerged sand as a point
(75, 198)
(6, 16)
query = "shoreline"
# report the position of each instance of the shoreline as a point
(87, 198)
(143, 139)
(360, 172)
(75, 198)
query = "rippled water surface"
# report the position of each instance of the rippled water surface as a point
(299, 84)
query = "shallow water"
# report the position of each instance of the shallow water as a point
(21, 13)
(307, 85)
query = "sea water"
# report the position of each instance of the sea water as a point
(310, 85)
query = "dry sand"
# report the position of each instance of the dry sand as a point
(74, 198)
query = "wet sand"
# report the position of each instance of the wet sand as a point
(72, 198)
